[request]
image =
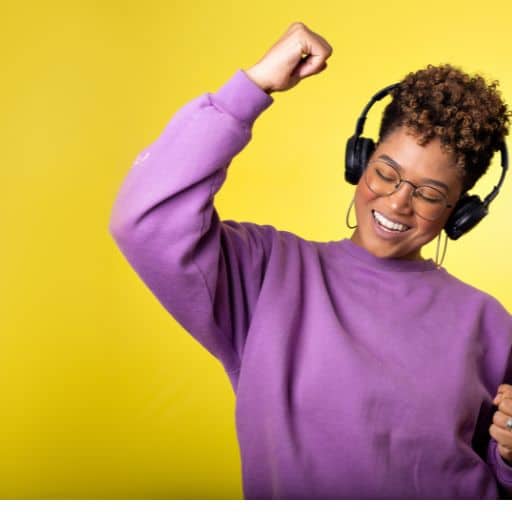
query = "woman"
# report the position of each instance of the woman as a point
(361, 370)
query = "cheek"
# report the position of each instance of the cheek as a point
(363, 197)
(428, 230)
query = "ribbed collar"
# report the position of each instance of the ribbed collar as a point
(386, 264)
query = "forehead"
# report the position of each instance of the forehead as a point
(419, 162)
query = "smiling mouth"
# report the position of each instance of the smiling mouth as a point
(388, 224)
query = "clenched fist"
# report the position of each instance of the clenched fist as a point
(299, 53)
(498, 429)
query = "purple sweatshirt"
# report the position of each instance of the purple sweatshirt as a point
(356, 377)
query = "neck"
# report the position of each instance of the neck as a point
(415, 256)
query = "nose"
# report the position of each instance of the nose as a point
(401, 200)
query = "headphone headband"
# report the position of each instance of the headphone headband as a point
(376, 97)
(504, 166)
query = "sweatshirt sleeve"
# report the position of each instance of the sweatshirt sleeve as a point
(498, 370)
(500, 468)
(206, 273)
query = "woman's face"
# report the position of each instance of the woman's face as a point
(420, 165)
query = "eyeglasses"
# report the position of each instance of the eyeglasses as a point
(427, 202)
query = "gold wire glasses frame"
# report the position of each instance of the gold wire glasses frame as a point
(428, 202)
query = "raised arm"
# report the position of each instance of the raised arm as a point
(165, 224)
(206, 272)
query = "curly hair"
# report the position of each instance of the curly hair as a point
(467, 114)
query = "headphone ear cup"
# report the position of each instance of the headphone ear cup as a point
(357, 152)
(467, 213)
(366, 150)
(352, 173)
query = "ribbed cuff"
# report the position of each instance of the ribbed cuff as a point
(242, 98)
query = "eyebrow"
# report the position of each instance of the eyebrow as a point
(398, 167)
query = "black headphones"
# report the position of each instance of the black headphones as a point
(467, 212)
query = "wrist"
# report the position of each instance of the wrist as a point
(255, 77)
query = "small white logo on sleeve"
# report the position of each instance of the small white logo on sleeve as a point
(140, 158)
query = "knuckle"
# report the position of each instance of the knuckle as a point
(503, 388)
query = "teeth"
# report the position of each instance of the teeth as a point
(389, 224)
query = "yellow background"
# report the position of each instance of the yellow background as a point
(103, 394)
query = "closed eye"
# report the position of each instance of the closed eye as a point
(383, 176)
(429, 197)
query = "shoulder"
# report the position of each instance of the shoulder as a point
(276, 243)
(274, 234)
(490, 305)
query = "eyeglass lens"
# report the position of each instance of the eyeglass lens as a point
(427, 201)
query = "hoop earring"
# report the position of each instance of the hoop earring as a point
(438, 264)
(348, 214)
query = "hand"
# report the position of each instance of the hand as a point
(498, 431)
(297, 54)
